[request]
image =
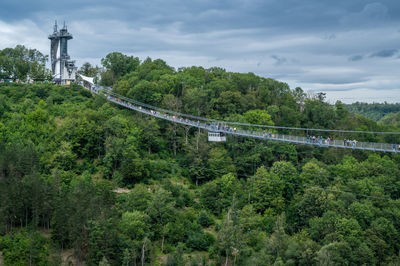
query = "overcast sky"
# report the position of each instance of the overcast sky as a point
(346, 48)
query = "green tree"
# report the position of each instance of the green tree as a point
(205, 219)
(228, 103)
(349, 230)
(103, 241)
(24, 248)
(384, 230)
(217, 194)
(133, 169)
(135, 224)
(314, 202)
(64, 158)
(145, 91)
(137, 199)
(161, 210)
(38, 72)
(219, 162)
(259, 117)
(363, 212)
(318, 114)
(278, 241)
(336, 253)
(325, 226)
(266, 191)
(176, 258)
(117, 65)
(230, 237)
(286, 171)
(21, 63)
(88, 70)
(313, 174)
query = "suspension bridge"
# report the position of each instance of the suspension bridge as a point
(222, 128)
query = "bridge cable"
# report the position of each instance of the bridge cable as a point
(246, 124)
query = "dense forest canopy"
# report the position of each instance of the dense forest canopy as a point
(375, 111)
(391, 119)
(87, 181)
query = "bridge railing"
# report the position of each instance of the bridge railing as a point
(265, 135)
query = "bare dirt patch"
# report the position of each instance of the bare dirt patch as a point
(121, 190)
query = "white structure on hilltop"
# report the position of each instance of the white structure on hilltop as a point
(62, 67)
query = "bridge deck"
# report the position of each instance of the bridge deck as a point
(355, 145)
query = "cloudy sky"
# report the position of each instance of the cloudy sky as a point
(348, 49)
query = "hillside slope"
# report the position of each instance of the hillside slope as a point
(374, 111)
(64, 152)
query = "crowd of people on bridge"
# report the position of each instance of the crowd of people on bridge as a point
(319, 140)
(229, 129)
(348, 142)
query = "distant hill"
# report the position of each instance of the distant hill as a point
(391, 119)
(375, 111)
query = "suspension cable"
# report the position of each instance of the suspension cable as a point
(245, 124)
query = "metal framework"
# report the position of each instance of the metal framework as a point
(216, 137)
(62, 67)
(228, 130)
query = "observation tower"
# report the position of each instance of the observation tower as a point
(62, 67)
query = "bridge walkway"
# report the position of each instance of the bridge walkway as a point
(262, 135)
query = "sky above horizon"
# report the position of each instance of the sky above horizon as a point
(347, 49)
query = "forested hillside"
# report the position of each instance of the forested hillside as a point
(85, 181)
(391, 119)
(375, 111)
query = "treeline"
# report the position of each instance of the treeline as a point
(374, 111)
(21, 63)
(228, 96)
(392, 119)
(64, 153)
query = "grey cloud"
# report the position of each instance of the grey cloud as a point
(375, 11)
(334, 80)
(329, 36)
(385, 53)
(239, 35)
(371, 14)
(278, 60)
(390, 96)
(355, 58)
(203, 15)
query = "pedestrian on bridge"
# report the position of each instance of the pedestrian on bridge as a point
(354, 143)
